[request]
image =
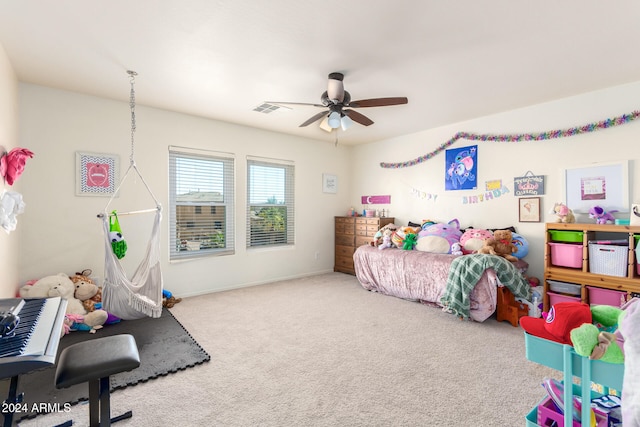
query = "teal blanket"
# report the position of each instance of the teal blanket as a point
(466, 271)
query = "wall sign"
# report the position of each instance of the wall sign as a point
(376, 200)
(528, 185)
(96, 174)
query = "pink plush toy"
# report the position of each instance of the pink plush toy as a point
(630, 329)
(473, 239)
(601, 216)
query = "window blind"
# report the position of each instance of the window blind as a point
(270, 202)
(201, 198)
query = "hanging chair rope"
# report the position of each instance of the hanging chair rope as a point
(141, 295)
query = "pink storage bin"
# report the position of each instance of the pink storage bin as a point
(566, 254)
(601, 296)
(548, 413)
(555, 298)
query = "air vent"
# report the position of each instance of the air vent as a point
(267, 108)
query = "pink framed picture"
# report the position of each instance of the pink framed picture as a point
(96, 173)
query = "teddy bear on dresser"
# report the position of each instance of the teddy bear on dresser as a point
(500, 244)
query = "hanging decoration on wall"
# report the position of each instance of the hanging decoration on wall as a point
(418, 194)
(528, 185)
(11, 205)
(485, 197)
(520, 137)
(461, 168)
(494, 184)
(12, 164)
(376, 200)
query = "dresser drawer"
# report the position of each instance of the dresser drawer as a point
(345, 239)
(372, 229)
(344, 251)
(345, 220)
(363, 240)
(344, 262)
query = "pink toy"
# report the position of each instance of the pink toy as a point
(438, 238)
(473, 239)
(601, 216)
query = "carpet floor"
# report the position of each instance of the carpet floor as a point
(165, 347)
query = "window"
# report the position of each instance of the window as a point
(201, 195)
(270, 207)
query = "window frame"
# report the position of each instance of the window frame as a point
(289, 202)
(228, 202)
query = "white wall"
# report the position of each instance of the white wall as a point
(502, 161)
(9, 243)
(62, 234)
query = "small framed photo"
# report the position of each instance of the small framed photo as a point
(96, 173)
(529, 209)
(329, 183)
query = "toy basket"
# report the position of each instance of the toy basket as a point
(608, 259)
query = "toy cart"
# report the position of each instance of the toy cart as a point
(563, 358)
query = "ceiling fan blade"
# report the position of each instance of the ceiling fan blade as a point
(378, 102)
(357, 117)
(335, 87)
(294, 103)
(313, 119)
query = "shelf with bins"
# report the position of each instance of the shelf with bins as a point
(571, 258)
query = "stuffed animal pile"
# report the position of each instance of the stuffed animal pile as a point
(500, 244)
(61, 285)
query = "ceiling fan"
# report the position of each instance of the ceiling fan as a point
(339, 106)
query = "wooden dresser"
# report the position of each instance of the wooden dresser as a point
(351, 232)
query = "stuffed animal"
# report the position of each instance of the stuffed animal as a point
(456, 249)
(378, 238)
(563, 213)
(500, 244)
(522, 244)
(438, 238)
(386, 239)
(601, 216)
(40, 288)
(409, 241)
(86, 290)
(473, 239)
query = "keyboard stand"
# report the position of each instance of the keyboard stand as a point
(12, 399)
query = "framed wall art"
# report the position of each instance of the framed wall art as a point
(529, 209)
(329, 183)
(96, 173)
(601, 184)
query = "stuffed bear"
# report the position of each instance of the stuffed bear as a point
(500, 244)
(41, 287)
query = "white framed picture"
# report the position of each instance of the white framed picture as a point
(96, 173)
(602, 184)
(329, 183)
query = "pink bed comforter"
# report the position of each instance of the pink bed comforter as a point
(421, 276)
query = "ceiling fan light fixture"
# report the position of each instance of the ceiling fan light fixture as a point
(334, 120)
(346, 122)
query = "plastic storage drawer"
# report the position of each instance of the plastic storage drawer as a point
(566, 236)
(556, 298)
(601, 296)
(564, 287)
(566, 254)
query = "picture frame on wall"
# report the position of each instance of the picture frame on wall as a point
(329, 183)
(529, 209)
(96, 173)
(600, 184)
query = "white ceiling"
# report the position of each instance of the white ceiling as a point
(454, 60)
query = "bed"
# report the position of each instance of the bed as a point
(464, 285)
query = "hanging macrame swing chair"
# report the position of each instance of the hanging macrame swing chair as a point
(140, 296)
